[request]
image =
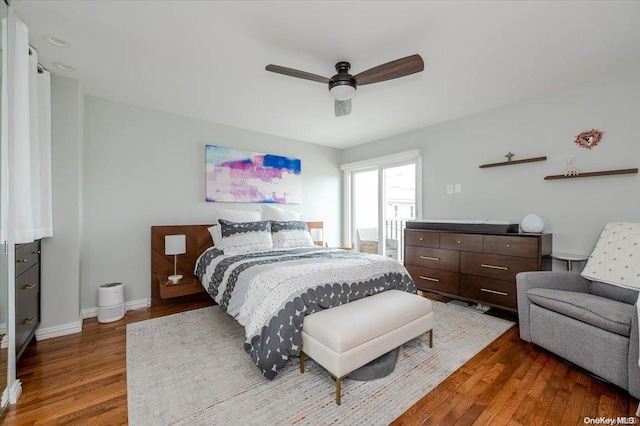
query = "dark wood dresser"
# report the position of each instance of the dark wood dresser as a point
(475, 267)
(27, 294)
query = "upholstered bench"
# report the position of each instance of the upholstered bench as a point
(344, 338)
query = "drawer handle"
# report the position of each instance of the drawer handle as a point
(421, 239)
(502, 268)
(507, 245)
(429, 258)
(501, 293)
(435, 280)
(36, 252)
(22, 260)
(459, 242)
(29, 320)
(29, 286)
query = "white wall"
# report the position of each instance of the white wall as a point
(144, 167)
(574, 210)
(60, 290)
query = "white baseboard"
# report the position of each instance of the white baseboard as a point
(59, 330)
(76, 327)
(129, 306)
(14, 391)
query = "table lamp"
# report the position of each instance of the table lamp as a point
(316, 235)
(175, 245)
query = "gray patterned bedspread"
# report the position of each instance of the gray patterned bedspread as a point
(270, 292)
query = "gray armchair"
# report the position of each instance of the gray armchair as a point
(591, 324)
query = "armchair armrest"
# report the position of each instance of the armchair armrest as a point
(556, 280)
(634, 354)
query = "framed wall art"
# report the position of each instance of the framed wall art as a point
(237, 176)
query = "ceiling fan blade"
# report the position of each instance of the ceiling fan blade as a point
(296, 73)
(394, 69)
(342, 107)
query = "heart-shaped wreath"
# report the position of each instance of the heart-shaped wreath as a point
(589, 139)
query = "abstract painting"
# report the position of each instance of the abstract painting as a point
(237, 176)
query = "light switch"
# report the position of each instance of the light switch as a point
(458, 188)
(450, 189)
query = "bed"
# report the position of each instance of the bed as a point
(270, 291)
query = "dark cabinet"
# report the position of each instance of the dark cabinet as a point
(477, 267)
(27, 294)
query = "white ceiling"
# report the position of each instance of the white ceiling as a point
(206, 59)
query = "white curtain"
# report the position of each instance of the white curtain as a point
(32, 143)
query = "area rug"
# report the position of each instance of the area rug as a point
(191, 368)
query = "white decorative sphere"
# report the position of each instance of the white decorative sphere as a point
(532, 223)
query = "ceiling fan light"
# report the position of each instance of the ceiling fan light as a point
(342, 92)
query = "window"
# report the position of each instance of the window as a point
(381, 195)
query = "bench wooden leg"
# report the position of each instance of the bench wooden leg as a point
(338, 382)
(301, 362)
(430, 338)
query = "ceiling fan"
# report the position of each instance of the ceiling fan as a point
(343, 85)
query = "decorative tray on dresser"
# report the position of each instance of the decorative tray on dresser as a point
(475, 261)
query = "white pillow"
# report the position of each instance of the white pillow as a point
(290, 234)
(236, 215)
(232, 215)
(245, 237)
(216, 236)
(615, 259)
(270, 212)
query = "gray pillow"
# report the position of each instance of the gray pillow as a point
(292, 233)
(245, 237)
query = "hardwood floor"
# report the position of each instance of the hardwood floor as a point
(81, 379)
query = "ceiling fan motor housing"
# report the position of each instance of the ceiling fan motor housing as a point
(342, 85)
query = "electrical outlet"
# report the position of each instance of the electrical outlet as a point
(449, 189)
(457, 188)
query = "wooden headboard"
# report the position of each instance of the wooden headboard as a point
(198, 240)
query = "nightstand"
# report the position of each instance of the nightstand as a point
(570, 258)
(183, 287)
(344, 248)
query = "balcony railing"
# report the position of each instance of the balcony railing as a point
(394, 234)
(394, 230)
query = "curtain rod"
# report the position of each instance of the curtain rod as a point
(39, 66)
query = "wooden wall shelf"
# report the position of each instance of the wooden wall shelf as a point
(509, 163)
(590, 174)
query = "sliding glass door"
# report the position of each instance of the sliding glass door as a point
(382, 196)
(365, 210)
(399, 206)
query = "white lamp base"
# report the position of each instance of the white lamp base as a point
(175, 278)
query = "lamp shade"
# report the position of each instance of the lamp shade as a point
(316, 234)
(342, 92)
(175, 244)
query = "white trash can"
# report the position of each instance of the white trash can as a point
(111, 302)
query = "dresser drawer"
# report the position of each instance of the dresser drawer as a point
(27, 304)
(28, 282)
(510, 246)
(27, 255)
(422, 238)
(495, 266)
(435, 279)
(488, 290)
(465, 242)
(445, 260)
